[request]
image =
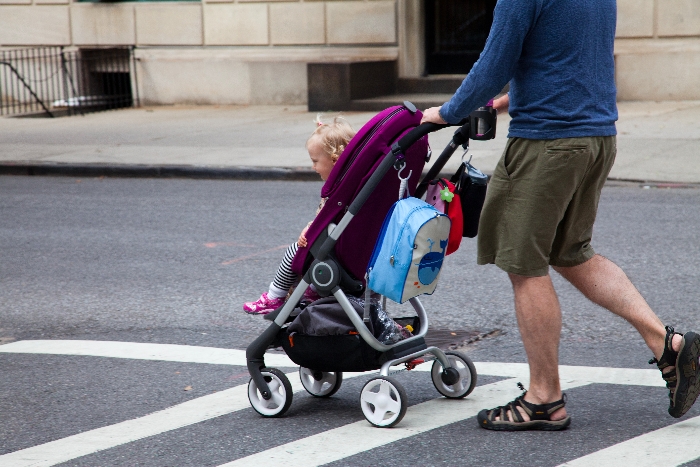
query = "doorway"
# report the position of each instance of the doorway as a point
(455, 34)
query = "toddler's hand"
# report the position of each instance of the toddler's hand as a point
(302, 238)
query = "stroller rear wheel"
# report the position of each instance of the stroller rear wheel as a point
(320, 383)
(467, 376)
(281, 390)
(383, 401)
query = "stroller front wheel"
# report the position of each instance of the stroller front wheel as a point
(320, 383)
(281, 390)
(467, 376)
(383, 401)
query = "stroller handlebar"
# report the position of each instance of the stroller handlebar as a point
(421, 130)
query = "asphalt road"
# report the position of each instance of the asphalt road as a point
(171, 262)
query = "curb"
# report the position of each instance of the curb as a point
(302, 174)
(159, 171)
(299, 174)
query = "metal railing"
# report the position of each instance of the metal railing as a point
(52, 81)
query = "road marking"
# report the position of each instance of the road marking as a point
(218, 356)
(570, 373)
(142, 351)
(422, 417)
(660, 447)
(358, 437)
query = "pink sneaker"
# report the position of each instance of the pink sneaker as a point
(310, 295)
(263, 305)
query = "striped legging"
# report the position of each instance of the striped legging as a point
(285, 277)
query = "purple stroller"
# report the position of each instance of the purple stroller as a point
(361, 190)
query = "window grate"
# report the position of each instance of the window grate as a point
(51, 81)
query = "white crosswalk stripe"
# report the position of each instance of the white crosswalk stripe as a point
(141, 351)
(636, 452)
(351, 439)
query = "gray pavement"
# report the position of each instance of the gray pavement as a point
(657, 142)
(154, 261)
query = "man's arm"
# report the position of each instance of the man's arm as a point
(432, 115)
(512, 20)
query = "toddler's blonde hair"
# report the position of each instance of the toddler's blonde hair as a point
(334, 136)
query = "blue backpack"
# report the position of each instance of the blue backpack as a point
(408, 255)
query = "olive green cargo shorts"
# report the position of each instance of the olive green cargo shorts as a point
(541, 203)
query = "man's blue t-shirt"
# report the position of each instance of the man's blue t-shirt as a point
(558, 57)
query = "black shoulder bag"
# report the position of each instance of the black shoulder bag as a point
(470, 184)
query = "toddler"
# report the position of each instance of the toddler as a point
(325, 145)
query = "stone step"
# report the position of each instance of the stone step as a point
(432, 84)
(421, 100)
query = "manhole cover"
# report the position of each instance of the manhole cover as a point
(444, 338)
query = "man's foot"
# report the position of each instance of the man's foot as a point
(520, 415)
(680, 368)
(263, 305)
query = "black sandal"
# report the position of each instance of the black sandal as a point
(683, 382)
(539, 416)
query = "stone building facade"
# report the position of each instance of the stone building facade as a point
(257, 51)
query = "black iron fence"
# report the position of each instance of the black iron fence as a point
(52, 81)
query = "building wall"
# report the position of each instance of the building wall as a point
(255, 51)
(657, 52)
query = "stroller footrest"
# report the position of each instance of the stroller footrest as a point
(407, 348)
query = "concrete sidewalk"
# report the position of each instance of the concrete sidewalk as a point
(657, 142)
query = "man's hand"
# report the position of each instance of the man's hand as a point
(432, 115)
(501, 104)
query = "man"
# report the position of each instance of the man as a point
(542, 199)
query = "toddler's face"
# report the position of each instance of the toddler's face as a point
(322, 162)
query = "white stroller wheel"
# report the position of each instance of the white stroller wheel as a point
(467, 376)
(320, 383)
(281, 390)
(383, 401)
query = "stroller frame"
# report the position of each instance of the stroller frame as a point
(329, 277)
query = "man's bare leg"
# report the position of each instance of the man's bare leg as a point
(605, 284)
(539, 319)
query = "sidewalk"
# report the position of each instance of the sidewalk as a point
(657, 141)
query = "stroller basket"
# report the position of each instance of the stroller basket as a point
(360, 191)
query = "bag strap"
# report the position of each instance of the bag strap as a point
(457, 177)
(463, 167)
(368, 295)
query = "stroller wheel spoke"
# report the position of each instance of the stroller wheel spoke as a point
(370, 397)
(329, 378)
(277, 398)
(317, 386)
(274, 386)
(268, 404)
(378, 416)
